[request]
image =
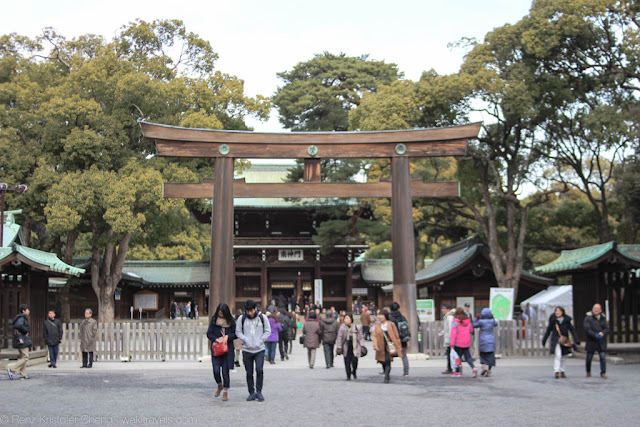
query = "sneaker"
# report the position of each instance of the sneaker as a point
(456, 374)
(557, 375)
(259, 396)
(234, 370)
(563, 375)
(251, 397)
(237, 364)
(26, 377)
(588, 374)
(10, 373)
(447, 372)
(328, 367)
(474, 373)
(405, 375)
(603, 376)
(355, 377)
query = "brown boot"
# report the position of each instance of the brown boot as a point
(557, 375)
(562, 374)
(218, 391)
(224, 395)
(588, 374)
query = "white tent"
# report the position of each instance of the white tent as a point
(544, 303)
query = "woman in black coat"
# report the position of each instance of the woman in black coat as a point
(222, 328)
(559, 321)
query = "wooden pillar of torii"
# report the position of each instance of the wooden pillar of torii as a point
(399, 146)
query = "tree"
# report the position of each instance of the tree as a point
(74, 106)
(318, 94)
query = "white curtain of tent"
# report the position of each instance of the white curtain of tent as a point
(544, 303)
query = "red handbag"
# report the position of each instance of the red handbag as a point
(220, 348)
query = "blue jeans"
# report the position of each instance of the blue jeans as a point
(270, 350)
(603, 361)
(53, 354)
(249, 359)
(218, 363)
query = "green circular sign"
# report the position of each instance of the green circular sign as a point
(401, 148)
(224, 149)
(312, 150)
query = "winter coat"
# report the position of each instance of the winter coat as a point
(21, 329)
(461, 333)
(253, 334)
(365, 318)
(397, 317)
(329, 330)
(565, 328)
(592, 326)
(311, 331)
(285, 323)
(446, 327)
(52, 331)
(486, 323)
(215, 331)
(88, 334)
(342, 340)
(379, 340)
(275, 329)
(293, 329)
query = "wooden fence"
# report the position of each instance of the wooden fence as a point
(512, 338)
(134, 341)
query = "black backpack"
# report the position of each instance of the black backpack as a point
(403, 331)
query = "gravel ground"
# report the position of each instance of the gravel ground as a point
(521, 392)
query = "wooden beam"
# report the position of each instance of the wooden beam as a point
(204, 190)
(170, 148)
(402, 243)
(176, 134)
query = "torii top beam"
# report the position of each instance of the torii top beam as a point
(433, 142)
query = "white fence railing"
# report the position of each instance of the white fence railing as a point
(512, 338)
(172, 340)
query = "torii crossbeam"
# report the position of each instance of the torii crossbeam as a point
(399, 145)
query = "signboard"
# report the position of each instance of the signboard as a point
(461, 301)
(426, 310)
(117, 295)
(501, 303)
(145, 300)
(360, 291)
(290, 255)
(317, 291)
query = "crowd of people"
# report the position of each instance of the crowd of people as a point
(253, 336)
(183, 310)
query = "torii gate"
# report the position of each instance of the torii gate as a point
(399, 145)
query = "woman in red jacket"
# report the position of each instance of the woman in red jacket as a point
(461, 340)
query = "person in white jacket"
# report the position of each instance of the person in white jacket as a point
(447, 317)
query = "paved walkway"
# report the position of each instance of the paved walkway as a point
(522, 392)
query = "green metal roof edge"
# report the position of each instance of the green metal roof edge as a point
(5, 252)
(49, 259)
(459, 257)
(573, 259)
(627, 249)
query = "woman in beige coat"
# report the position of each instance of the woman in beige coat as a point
(385, 332)
(311, 331)
(88, 335)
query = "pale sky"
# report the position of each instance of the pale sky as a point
(255, 39)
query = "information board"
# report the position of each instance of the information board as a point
(501, 303)
(426, 310)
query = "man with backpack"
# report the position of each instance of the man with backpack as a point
(283, 335)
(253, 329)
(404, 333)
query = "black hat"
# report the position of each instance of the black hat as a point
(466, 304)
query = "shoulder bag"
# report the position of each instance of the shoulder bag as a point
(220, 348)
(562, 340)
(393, 351)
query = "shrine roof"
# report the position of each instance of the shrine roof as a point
(167, 272)
(37, 259)
(11, 230)
(460, 256)
(589, 257)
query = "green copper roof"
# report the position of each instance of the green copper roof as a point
(5, 252)
(10, 228)
(446, 263)
(46, 259)
(577, 258)
(167, 272)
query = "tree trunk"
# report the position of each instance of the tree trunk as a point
(65, 308)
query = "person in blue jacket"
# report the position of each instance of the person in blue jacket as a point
(222, 328)
(485, 322)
